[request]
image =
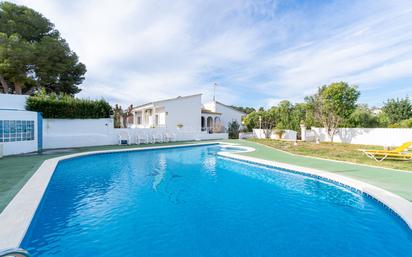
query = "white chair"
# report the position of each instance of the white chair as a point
(166, 137)
(124, 138)
(152, 138)
(142, 139)
(173, 137)
(158, 138)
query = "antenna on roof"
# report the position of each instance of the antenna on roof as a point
(214, 91)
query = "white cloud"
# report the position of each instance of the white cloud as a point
(137, 51)
(370, 51)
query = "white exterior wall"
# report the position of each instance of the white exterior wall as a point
(66, 133)
(18, 147)
(180, 135)
(367, 136)
(186, 111)
(227, 114)
(287, 134)
(245, 135)
(13, 102)
(69, 133)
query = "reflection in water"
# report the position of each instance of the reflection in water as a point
(209, 163)
(160, 171)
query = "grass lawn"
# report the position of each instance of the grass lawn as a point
(335, 151)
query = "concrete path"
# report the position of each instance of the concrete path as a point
(398, 182)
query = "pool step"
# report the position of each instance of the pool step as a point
(14, 252)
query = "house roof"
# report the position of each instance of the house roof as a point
(169, 99)
(230, 107)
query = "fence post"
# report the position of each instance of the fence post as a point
(39, 132)
(303, 132)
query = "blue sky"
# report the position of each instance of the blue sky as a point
(259, 52)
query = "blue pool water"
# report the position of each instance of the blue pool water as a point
(190, 202)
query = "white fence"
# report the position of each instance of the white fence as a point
(367, 136)
(245, 135)
(66, 133)
(286, 135)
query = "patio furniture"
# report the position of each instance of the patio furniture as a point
(124, 138)
(166, 137)
(398, 153)
(142, 139)
(158, 138)
(173, 137)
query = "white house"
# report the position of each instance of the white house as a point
(185, 113)
(222, 115)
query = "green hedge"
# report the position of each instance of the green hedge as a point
(67, 107)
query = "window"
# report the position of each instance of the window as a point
(156, 119)
(16, 130)
(139, 120)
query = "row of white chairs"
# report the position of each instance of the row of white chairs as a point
(146, 138)
(155, 138)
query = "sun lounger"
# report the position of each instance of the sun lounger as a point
(400, 152)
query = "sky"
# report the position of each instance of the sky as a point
(259, 52)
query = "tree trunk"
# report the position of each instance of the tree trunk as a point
(332, 132)
(4, 84)
(18, 88)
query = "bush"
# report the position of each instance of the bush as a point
(402, 124)
(233, 129)
(68, 107)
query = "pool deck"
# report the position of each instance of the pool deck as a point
(395, 181)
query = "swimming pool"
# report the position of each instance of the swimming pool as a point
(191, 202)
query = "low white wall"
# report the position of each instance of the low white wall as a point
(367, 136)
(214, 136)
(287, 134)
(66, 133)
(245, 135)
(13, 102)
(18, 147)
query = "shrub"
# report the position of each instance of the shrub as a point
(279, 133)
(402, 124)
(233, 129)
(68, 107)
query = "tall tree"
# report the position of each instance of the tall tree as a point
(362, 117)
(397, 109)
(333, 104)
(284, 112)
(16, 57)
(246, 110)
(64, 72)
(29, 24)
(33, 53)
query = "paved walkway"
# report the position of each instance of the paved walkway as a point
(398, 182)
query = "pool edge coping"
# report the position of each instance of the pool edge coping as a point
(399, 205)
(17, 216)
(15, 221)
